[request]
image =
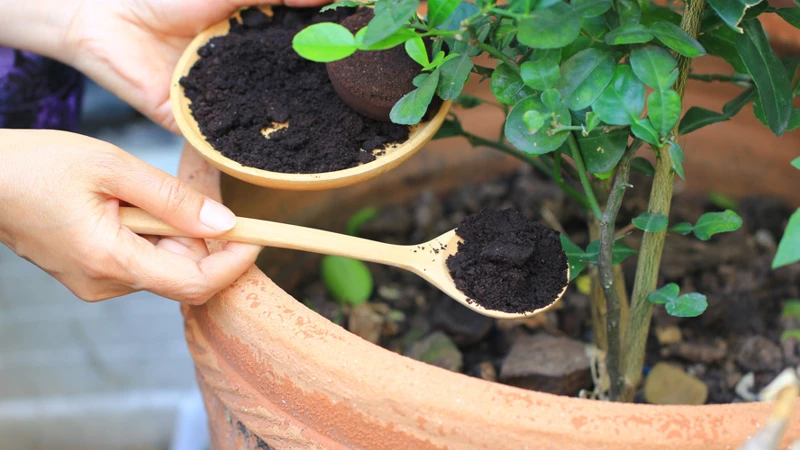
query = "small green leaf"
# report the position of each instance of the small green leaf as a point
(768, 74)
(440, 10)
(410, 109)
(642, 165)
(463, 11)
(419, 79)
(720, 42)
(416, 50)
(439, 60)
(449, 128)
(697, 117)
(687, 305)
(591, 8)
(651, 222)
(345, 4)
(541, 74)
(534, 120)
(619, 252)
(790, 15)
(722, 201)
(324, 42)
(789, 247)
(654, 66)
(682, 228)
(584, 77)
(732, 11)
(668, 293)
(601, 150)
(552, 27)
(393, 40)
(629, 34)
(712, 223)
(657, 13)
(390, 16)
(734, 106)
(791, 309)
(592, 121)
(622, 101)
(676, 153)
(664, 110)
(675, 38)
(574, 257)
(790, 334)
(507, 86)
(467, 101)
(358, 219)
(347, 280)
(454, 73)
(541, 141)
(628, 11)
(644, 130)
(796, 162)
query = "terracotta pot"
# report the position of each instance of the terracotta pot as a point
(274, 373)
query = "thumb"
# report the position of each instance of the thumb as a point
(167, 198)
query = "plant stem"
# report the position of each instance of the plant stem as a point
(499, 55)
(606, 269)
(720, 77)
(587, 187)
(653, 242)
(566, 128)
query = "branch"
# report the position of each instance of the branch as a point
(499, 55)
(737, 78)
(587, 187)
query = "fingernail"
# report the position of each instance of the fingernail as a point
(216, 216)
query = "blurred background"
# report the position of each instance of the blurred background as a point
(109, 375)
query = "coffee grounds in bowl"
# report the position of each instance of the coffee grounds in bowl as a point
(251, 78)
(507, 262)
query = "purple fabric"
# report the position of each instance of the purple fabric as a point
(38, 92)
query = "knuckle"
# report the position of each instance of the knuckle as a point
(175, 194)
(196, 293)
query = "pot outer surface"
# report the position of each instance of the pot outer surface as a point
(275, 373)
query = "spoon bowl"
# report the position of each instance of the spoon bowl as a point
(393, 155)
(428, 260)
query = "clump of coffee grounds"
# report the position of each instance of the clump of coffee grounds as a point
(507, 262)
(251, 79)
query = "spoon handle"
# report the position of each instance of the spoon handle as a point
(281, 235)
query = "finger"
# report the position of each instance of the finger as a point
(165, 197)
(305, 3)
(194, 249)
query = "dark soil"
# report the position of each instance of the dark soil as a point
(507, 262)
(740, 333)
(373, 81)
(251, 79)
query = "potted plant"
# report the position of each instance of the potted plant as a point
(575, 91)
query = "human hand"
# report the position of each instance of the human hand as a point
(59, 203)
(131, 47)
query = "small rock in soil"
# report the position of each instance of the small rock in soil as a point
(669, 385)
(367, 319)
(484, 371)
(668, 335)
(759, 354)
(464, 325)
(765, 240)
(695, 352)
(548, 364)
(438, 350)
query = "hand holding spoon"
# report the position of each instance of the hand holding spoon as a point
(428, 260)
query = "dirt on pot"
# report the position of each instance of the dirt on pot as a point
(735, 347)
(251, 79)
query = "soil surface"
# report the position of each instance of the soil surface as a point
(736, 343)
(508, 263)
(252, 79)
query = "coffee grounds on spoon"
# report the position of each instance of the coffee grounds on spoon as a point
(251, 78)
(507, 262)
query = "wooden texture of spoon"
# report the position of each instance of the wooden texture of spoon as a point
(393, 156)
(426, 260)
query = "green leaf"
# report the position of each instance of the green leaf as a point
(541, 74)
(712, 223)
(651, 222)
(390, 16)
(345, 4)
(697, 117)
(439, 59)
(622, 101)
(790, 15)
(789, 334)
(507, 86)
(732, 11)
(687, 305)
(668, 293)
(664, 110)
(657, 13)
(642, 165)
(628, 11)
(676, 153)
(419, 79)
(644, 130)
(324, 42)
(722, 201)
(592, 121)
(769, 75)
(654, 66)
(734, 106)
(591, 8)
(584, 77)
(541, 141)
(629, 34)
(574, 257)
(552, 27)
(410, 109)
(398, 37)
(440, 10)
(796, 162)
(449, 128)
(682, 228)
(789, 247)
(619, 252)
(675, 38)
(347, 280)
(415, 48)
(720, 42)
(534, 120)
(794, 120)
(791, 309)
(454, 73)
(602, 151)
(467, 101)
(360, 217)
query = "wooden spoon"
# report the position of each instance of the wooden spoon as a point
(393, 156)
(426, 260)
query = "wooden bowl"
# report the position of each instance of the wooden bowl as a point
(420, 134)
